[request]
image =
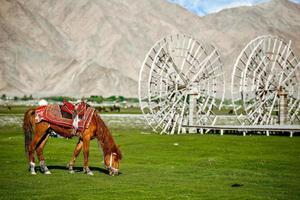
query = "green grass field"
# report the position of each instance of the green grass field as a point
(199, 167)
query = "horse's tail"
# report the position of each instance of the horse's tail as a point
(28, 127)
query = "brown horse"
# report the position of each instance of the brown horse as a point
(97, 129)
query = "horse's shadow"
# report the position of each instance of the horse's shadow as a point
(76, 169)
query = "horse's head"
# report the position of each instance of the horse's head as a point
(112, 163)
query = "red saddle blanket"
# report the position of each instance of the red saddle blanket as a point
(52, 114)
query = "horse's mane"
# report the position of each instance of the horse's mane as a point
(107, 142)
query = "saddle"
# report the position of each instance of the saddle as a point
(77, 117)
(72, 109)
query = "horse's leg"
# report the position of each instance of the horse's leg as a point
(40, 130)
(75, 154)
(39, 152)
(86, 144)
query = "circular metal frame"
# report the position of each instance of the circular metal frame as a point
(266, 69)
(180, 81)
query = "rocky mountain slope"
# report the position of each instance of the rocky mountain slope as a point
(92, 47)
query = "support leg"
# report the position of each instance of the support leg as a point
(201, 131)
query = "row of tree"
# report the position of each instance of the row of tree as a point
(23, 98)
(92, 98)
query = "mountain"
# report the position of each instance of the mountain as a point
(92, 47)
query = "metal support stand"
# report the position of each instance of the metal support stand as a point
(283, 106)
(192, 110)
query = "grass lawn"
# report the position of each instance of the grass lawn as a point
(199, 167)
(13, 109)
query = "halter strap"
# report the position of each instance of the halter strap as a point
(110, 160)
(110, 163)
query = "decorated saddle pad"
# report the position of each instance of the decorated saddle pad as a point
(52, 114)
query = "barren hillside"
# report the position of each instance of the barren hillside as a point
(92, 47)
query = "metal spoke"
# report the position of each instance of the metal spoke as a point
(177, 69)
(265, 74)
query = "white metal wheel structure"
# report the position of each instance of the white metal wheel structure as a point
(265, 83)
(180, 81)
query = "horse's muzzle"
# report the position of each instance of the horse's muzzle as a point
(113, 172)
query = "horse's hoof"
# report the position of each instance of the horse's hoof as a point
(90, 173)
(33, 173)
(71, 171)
(47, 172)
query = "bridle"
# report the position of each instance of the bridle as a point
(110, 167)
